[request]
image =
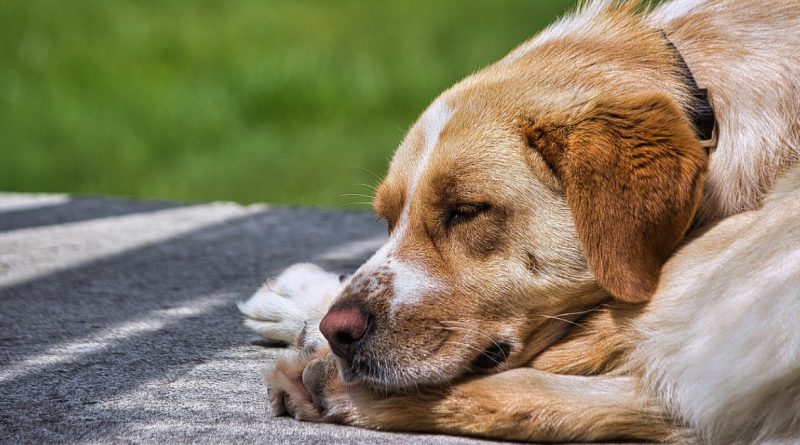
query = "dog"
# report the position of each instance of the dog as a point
(530, 287)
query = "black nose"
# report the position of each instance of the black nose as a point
(343, 326)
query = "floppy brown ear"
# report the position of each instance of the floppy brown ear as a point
(632, 172)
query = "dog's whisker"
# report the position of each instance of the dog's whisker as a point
(375, 175)
(374, 188)
(588, 311)
(442, 375)
(561, 319)
(359, 195)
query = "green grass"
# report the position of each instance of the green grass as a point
(285, 101)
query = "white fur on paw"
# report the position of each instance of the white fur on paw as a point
(279, 310)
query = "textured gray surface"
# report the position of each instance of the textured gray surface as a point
(118, 322)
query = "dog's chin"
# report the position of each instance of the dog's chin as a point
(367, 372)
(380, 375)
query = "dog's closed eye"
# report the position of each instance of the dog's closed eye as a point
(461, 213)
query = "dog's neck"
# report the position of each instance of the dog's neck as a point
(751, 75)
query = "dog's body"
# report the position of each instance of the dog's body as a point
(547, 191)
(720, 343)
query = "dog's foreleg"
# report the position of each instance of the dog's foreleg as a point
(522, 404)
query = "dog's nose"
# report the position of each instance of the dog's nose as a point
(343, 326)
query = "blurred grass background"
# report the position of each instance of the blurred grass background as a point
(283, 101)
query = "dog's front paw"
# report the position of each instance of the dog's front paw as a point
(304, 383)
(279, 310)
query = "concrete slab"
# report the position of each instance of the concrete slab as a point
(118, 320)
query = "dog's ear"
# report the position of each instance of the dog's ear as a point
(632, 172)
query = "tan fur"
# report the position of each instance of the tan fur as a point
(574, 174)
(632, 171)
(494, 407)
(599, 344)
(564, 408)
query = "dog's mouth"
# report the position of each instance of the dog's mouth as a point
(386, 373)
(492, 356)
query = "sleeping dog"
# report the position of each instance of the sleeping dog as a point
(530, 287)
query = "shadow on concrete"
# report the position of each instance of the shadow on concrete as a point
(229, 260)
(78, 209)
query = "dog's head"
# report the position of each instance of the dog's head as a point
(522, 197)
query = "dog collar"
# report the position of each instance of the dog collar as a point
(700, 111)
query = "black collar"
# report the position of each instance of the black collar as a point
(700, 112)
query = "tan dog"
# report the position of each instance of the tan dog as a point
(531, 209)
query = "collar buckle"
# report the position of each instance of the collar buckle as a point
(704, 120)
(711, 142)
